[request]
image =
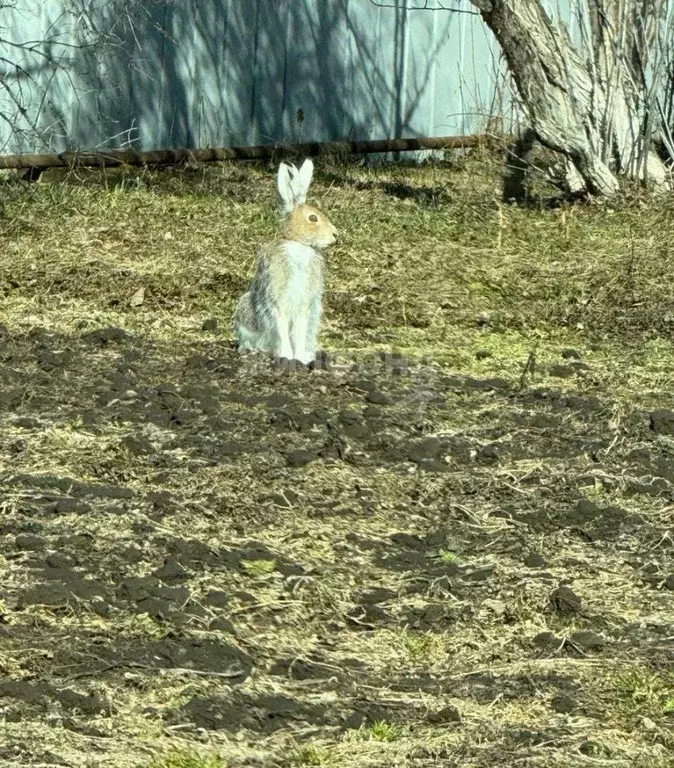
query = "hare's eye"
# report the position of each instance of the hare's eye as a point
(313, 218)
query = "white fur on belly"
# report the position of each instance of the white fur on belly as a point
(301, 290)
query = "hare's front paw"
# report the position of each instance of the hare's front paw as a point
(306, 356)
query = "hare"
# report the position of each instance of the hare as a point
(281, 311)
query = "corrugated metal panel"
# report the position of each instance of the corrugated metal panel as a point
(161, 74)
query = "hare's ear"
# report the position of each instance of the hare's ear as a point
(286, 186)
(304, 177)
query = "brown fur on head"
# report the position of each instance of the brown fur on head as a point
(309, 226)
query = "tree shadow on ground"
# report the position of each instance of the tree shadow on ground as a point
(145, 476)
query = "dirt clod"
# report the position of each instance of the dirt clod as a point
(662, 422)
(564, 703)
(29, 541)
(210, 324)
(587, 640)
(300, 457)
(534, 560)
(565, 600)
(447, 714)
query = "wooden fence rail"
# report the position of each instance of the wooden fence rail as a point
(118, 157)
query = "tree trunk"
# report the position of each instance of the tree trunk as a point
(623, 32)
(589, 109)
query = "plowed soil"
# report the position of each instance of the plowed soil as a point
(405, 556)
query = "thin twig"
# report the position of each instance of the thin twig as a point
(529, 367)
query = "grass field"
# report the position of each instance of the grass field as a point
(450, 545)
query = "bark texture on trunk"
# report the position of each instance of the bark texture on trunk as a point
(622, 33)
(585, 107)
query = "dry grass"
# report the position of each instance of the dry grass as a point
(163, 451)
(431, 262)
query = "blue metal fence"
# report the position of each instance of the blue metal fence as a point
(154, 74)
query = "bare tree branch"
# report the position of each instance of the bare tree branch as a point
(429, 5)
